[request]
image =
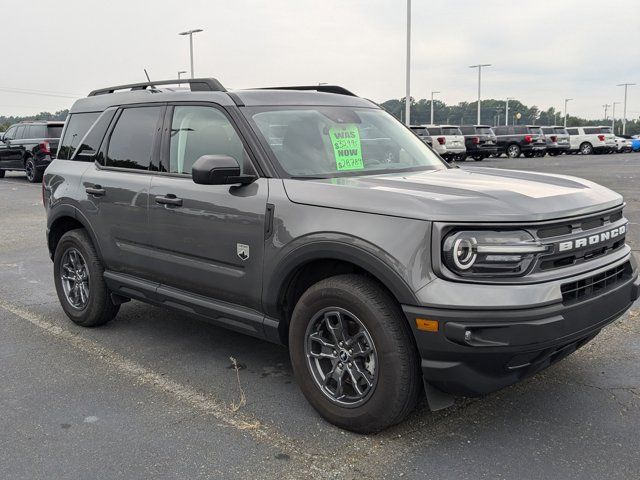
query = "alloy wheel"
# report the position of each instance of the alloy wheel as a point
(74, 276)
(30, 170)
(341, 356)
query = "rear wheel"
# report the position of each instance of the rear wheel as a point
(586, 148)
(513, 151)
(353, 354)
(478, 158)
(33, 175)
(78, 275)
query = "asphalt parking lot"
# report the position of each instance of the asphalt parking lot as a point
(154, 394)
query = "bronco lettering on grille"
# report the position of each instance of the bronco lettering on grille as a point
(592, 239)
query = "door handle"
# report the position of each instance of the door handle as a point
(169, 199)
(96, 191)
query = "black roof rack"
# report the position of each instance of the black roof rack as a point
(318, 88)
(196, 85)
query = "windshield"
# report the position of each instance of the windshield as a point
(329, 142)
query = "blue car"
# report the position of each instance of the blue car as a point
(635, 144)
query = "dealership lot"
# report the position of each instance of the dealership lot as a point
(155, 393)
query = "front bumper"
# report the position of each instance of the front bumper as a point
(475, 351)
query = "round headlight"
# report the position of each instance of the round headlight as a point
(464, 254)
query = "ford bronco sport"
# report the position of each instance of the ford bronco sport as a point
(310, 217)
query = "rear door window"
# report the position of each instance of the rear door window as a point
(591, 130)
(52, 131)
(91, 142)
(572, 131)
(133, 137)
(78, 125)
(38, 131)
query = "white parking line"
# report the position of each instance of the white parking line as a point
(197, 400)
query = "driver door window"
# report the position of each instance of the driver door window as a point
(198, 131)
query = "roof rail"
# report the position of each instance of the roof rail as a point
(196, 85)
(318, 88)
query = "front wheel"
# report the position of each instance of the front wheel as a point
(78, 277)
(586, 148)
(353, 354)
(513, 151)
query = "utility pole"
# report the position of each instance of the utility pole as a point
(613, 117)
(479, 67)
(566, 100)
(606, 107)
(506, 115)
(407, 102)
(190, 33)
(624, 113)
(432, 107)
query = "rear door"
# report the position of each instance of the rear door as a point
(5, 147)
(209, 240)
(117, 189)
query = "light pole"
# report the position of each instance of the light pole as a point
(606, 108)
(624, 112)
(407, 101)
(506, 115)
(566, 100)
(432, 93)
(479, 67)
(190, 33)
(613, 117)
(180, 73)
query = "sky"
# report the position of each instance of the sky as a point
(542, 51)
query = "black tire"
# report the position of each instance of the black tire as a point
(478, 158)
(1, 173)
(529, 155)
(462, 157)
(397, 385)
(99, 308)
(586, 148)
(33, 174)
(513, 151)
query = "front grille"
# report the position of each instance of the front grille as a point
(595, 285)
(580, 228)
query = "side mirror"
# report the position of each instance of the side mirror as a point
(218, 170)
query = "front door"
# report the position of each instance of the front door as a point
(208, 239)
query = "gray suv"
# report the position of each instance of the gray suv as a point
(309, 217)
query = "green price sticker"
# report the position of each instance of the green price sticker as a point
(346, 147)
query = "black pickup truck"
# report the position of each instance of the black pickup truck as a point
(29, 147)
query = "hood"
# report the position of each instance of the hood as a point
(459, 195)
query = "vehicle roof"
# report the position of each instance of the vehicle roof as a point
(41, 122)
(449, 126)
(249, 98)
(482, 126)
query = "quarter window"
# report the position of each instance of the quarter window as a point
(131, 143)
(198, 131)
(77, 126)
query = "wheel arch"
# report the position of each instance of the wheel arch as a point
(66, 218)
(319, 260)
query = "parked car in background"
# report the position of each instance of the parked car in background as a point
(480, 141)
(624, 143)
(432, 136)
(588, 140)
(454, 141)
(520, 139)
(557, 140)
(423, 133)
(29, 147)
(635, 144)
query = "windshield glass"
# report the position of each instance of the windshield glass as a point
(329, 142)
